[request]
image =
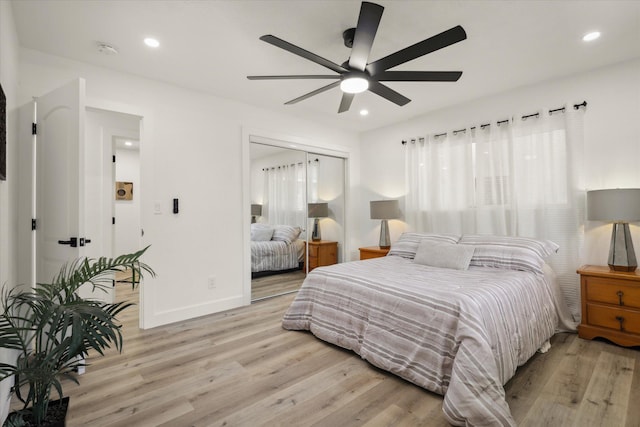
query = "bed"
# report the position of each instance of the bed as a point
(453, 314)
(275, 248)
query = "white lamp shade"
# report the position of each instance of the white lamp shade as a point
(318, 210)
(256, 210)
(618, 205)
(384, 209)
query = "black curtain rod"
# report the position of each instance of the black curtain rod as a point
(292, 164)
(525, 117)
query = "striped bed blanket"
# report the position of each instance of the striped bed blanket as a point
(276, 255)
(460, 334)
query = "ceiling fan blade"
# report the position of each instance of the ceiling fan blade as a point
(310, 94)
(439, 41)
(368, 21)
(318, 76)
(345, 104)
(388, 93)
(303, 53)
(418, 76)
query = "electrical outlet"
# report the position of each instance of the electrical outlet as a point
(211, 284)
(157, 208)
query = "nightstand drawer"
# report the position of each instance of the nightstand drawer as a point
(313, 251)
(614, 318)
(611, 291)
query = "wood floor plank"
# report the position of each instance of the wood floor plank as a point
(524, 388)
(339, 381)
(633, 401)
(606, 397)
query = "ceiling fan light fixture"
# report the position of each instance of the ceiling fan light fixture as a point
(354, 84)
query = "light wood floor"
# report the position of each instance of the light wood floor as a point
(276, 284)
(240, 368)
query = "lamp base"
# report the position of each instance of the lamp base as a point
(315, 235)
(385, 240)
(622, 256)
(622, 268)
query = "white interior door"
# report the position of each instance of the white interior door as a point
(59, 178)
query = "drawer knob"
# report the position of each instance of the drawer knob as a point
(620, 295)
(621, 320)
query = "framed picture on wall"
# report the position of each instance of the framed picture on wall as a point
(3, 135)
(124, 190)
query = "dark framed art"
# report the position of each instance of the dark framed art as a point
(3, 135)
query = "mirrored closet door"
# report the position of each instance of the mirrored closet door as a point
(297, 216)
(325, 206)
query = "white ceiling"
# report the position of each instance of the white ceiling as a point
(212, 46)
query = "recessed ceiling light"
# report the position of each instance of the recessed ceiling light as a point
(364, 112)
(589, 37)
(151, 42)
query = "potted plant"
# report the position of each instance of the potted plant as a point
(52, 328)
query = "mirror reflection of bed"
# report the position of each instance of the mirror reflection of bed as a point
(284, 182)
(277, 259)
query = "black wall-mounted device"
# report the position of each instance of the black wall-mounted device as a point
(175, 206)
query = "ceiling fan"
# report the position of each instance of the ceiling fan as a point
(357, 74)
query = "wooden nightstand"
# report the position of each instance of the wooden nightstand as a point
(610, 305)
(322, 252)
(373, 252)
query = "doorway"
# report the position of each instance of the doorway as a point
(69, 189)
(112, 157)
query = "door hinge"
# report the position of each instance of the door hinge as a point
(33, 224)
(114, 158)
(34, 129)
(113, 220)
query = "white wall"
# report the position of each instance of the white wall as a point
(127, 212)
(8, 188)
(611, 135)
(191, 148)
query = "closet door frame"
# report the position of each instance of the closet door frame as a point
(284, 141)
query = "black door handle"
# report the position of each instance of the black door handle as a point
(73, 242)
(83, 241)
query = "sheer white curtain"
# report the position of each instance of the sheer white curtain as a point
(285, 193)
(518, 178)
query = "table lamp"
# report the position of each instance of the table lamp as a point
(621, 205)
(256, 211)
(317, 211)
(384, 210)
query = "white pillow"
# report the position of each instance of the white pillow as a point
(444, 255)
(407, 244)
(261, 234)
(286, 233)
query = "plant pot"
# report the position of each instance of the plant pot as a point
(56, 415)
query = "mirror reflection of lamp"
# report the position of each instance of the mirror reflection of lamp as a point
(384, 210)
(256, 211)
(621, 205)
(317, 211)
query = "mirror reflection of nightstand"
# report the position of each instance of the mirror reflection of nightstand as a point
(322, 252)
(373, 252)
